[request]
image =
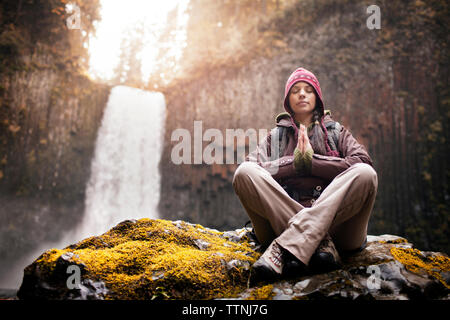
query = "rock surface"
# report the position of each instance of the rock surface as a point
(161, 259)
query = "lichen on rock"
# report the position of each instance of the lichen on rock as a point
(435, 265)
(161, 259)
(148, 259)
(387, 269)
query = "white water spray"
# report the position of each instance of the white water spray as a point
(125, 179)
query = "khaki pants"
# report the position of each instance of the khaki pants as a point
(343, 209)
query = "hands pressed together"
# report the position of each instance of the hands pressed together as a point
(303, 143)
(303, 152)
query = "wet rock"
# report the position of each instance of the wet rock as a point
(89, 290)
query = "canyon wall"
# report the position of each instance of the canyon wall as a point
(50, 112)
(48, 129)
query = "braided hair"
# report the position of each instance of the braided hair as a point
(319, 138)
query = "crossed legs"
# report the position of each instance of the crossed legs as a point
(343, 209)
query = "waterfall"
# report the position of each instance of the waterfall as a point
(125, 179)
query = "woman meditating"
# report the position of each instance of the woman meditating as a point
(308, 188)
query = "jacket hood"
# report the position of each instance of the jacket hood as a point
(298, 75)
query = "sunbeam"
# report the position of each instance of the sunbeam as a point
(121, 18)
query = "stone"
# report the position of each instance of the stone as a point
(161, 259)
(144, 259)
(388, 268)
(201, 244)
(245, 265)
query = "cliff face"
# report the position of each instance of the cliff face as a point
(49, 116)
(49, 122)
(389, 87)
(225, 99)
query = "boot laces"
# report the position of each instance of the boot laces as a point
(276, 255)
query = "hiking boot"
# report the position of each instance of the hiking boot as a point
(293, 267)
(270, 265)
(348, 253)
(326, 258)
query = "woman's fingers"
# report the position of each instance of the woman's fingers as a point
(303, 143)
(300, 143)
(301, 139)
(308, 145)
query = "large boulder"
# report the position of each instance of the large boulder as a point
(161, 259)
(389, 268)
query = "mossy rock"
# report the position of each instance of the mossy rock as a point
(160, 259)
(388, 268)
(145, 259)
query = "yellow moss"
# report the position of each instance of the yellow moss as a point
(263, 293)
(158, 258)
(399, 240)
(48, 260)
(415, 261)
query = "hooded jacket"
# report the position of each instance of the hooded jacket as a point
(305, 187)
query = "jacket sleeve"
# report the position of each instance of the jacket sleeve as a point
(279, 168)
(352, 152)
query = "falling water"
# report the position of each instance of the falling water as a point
(125, 179)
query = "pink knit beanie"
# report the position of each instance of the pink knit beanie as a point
(302, 74)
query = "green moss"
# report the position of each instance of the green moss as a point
(161, 259)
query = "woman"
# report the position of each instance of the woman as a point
(313, 199)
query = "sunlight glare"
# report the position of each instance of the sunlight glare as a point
(120, 16)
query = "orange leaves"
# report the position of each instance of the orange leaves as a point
(59, 10)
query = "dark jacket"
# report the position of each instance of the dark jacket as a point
(305, 188)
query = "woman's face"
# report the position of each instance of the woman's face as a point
(302, 99)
